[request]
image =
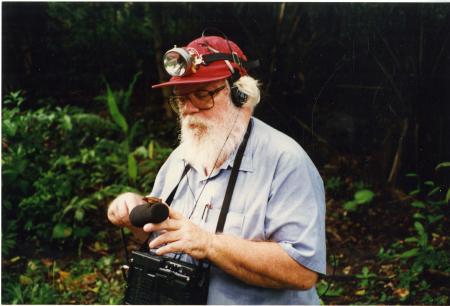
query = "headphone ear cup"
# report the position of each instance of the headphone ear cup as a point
(238, 97)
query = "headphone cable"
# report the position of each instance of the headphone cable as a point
(214, 165)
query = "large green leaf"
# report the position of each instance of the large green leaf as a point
(61, 231)
(423, 238)
(351, 205)
(151, 150)
(434, 218)
(79, 214)
(132, 167)
(114, 110)
(409, 253)
(411, 239)
(418, 216)
(364, 196)
(443, 165)
(419, 227)
(418, 204)
(434, 190)
(67, 123)
(429, 183)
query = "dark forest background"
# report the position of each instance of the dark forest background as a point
(363, 87)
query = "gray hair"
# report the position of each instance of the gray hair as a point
(250, 87)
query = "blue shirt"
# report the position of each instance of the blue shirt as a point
(279, 196)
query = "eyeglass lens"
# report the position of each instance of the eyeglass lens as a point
(201, 99)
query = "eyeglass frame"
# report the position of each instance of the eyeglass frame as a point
(175, 100)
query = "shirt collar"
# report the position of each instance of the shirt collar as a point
(247, 161)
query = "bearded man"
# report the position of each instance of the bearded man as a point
(271, 247)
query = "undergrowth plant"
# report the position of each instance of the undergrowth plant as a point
(87, 281)
(419, 256)
(60, 168)
(118, 104)
(362, 196)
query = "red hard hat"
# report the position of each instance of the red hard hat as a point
(214, 71)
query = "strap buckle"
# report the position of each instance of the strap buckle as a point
(236, 58)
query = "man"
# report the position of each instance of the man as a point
(273, 242)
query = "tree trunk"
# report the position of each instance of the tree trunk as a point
(398, 155)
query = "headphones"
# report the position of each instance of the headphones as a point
(238, 97)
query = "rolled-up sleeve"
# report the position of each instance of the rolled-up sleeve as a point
(295, 215)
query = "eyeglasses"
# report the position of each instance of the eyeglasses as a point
(201, 99)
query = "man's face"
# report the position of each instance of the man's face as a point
(205, 99)
(209, 132)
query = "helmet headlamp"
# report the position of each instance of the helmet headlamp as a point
(181, 61)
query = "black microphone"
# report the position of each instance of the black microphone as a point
(149, 213)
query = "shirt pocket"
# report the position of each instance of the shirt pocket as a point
(233, 223)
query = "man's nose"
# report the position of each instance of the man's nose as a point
(189, 108)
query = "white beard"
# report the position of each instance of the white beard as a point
(202, 140)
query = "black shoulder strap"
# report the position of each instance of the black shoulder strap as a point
(172, 194)
(232, 181)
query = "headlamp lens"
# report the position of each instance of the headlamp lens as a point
(177, 62)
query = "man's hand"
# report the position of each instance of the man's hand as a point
(120, 208)
(180, 235)
(119, 213)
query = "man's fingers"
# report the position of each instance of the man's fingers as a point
(167, 237)
(168, 224)
(173, 247)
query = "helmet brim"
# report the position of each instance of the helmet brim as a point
(174, 81)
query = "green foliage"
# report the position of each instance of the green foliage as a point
(425, 250)
(14, 98)
(361, 197)
(9, 237)
(60, 165)
(429, 200)
(29, 287)
(29, 293)
(83, 282)
(334, 183)
(61, 231)
(114, 110)
(328, 289)
(117, 101)
(366, 278)
(442, 165)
